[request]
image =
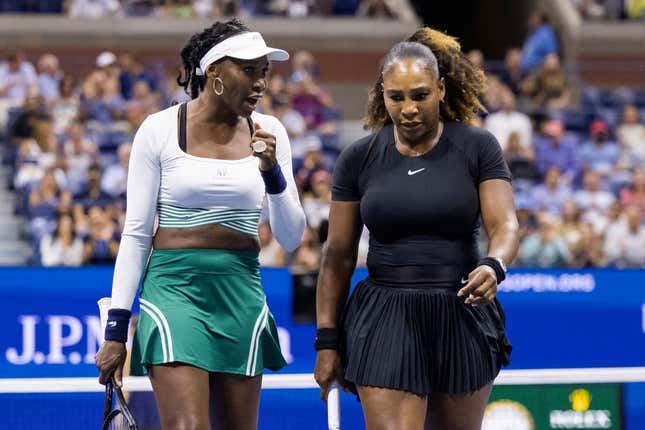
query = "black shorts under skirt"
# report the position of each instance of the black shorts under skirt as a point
(421, 340)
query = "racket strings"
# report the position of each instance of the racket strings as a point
(117, 416)
(118, 422)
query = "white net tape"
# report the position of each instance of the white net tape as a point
(306, 380)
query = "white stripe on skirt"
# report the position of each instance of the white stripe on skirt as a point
(166, 326)
(257, 341)
(254, 336)
(160, 329)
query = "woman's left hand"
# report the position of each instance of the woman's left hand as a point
(267, 156)
(481, 286)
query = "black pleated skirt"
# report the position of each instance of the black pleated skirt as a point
(421, 339)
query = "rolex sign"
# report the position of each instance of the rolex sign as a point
(546, 407)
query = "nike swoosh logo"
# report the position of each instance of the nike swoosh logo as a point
(464, 280)
(414, 172)
(111, 323)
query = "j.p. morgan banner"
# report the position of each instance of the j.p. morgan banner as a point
(50, 326)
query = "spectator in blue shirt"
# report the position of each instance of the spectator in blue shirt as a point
(552, 194)
(92, 194)
(554, 148)
(132, 71)
(545, 248)
(18, 78)
(599, 155)
(102, 241)
(539, 43)
(49, 77)
(102, 100)
(116, 175)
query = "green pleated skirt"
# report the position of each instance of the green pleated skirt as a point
(206, 308)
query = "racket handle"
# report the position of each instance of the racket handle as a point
(333, 407)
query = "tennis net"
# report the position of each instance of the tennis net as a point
(291, 401)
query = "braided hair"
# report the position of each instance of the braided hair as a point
(464, 82)
(198, 45)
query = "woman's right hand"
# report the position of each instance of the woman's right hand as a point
(110, 360)
(328, 369)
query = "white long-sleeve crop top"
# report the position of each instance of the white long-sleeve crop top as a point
(188, 191)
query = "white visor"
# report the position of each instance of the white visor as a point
(245, 46)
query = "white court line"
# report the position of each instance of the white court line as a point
(306, 380)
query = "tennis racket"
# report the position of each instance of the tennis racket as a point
(116, 415)
(333, 408)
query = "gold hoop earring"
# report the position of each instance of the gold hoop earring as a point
(218, 93)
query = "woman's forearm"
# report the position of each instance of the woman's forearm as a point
(504, 241)
(333, 286)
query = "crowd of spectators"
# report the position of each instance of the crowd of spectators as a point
(68, 141)
(577, 155)
(210, 9)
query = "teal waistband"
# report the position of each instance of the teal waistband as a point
(215, 261)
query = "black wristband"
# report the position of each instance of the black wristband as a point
(326, 338)
(496, 266)
(274, 181)
(117, 325)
